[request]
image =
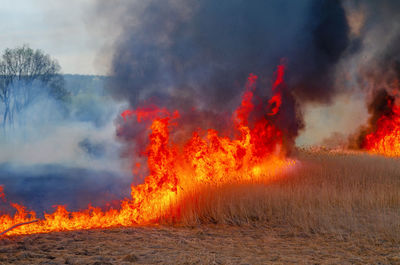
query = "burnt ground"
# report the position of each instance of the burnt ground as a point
(198, 245)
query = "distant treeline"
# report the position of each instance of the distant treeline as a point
(77, 84)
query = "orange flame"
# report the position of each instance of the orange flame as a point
(175, 169)
(276, 99)
(144, 113)
(385, 140)
(2, 196)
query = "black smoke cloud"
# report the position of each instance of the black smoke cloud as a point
(186, 54)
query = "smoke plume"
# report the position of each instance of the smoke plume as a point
(195, 55)
(377, 70)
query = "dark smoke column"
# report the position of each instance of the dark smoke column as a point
(186, 54)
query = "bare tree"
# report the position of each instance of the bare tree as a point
(24, 74)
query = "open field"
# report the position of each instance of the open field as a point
(199, 245)
(331, 208)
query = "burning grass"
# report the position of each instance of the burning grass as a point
(243, 177)
(326, 193)
(253, 146)
(385, 138)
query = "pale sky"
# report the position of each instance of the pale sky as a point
(63, 29)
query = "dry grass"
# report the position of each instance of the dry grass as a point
(206, 244)
(327, 193)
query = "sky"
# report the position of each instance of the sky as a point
(63, 29)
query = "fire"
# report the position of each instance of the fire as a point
(2, 196)
(254, 152)
(276, 100)
(149, 112)
(385, 139)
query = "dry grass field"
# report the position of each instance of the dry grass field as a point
(331, 208)
(326, 192)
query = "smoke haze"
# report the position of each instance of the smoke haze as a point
(64, 152)
(374, 69)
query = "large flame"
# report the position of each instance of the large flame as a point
(254, 152)
(385, 140)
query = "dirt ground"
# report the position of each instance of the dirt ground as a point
(199, 245)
